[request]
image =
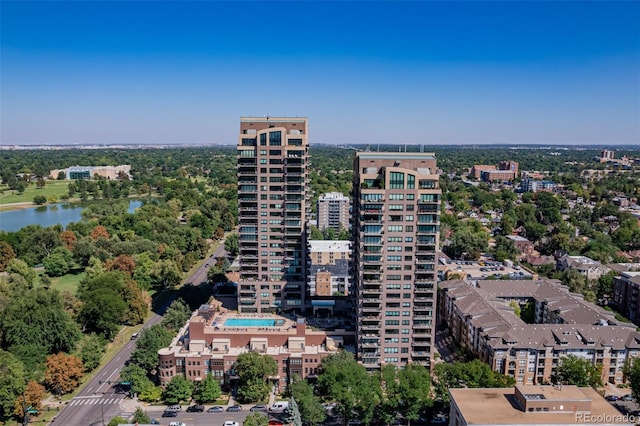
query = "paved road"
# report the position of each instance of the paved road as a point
(97, 400)
(197, 419)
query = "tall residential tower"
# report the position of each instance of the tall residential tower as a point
(273, 204)
(396, 224)
(333, 211)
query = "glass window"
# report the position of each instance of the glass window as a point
(411, 183)
(275, 138)
(396, 180)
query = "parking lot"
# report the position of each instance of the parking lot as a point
(620, 399)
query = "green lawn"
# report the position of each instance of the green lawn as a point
(55, 188)
(68, 282)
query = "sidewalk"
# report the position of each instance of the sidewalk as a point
(128, 406)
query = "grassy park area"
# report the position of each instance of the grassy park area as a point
(55, 189)
(67, 282)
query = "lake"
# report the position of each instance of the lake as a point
(53, 214)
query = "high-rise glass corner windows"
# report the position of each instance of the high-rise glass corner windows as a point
(275, 138)
(396, 180)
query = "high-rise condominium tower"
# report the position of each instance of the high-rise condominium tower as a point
(333, 211)
(396, 221)
(273, 156)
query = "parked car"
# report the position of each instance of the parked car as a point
(170, 414)
(155, 421)
(234, 408)
(215, 409)
(439, 419)
(177, 424)
(612, 397)
(279, 407)
(627, 397)
(260, 408)
(173, 407)
(230, 423)
(196, 409)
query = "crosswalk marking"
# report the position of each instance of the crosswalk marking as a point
(94, 401)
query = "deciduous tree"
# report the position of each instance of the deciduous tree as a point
(208, 390)
(91, 351)
(573, 370)
(117, 420)
(311, 411)
(253, 370)
(177, 315)
(12, 383)
(6, 254)
(149, 342)
(68, 239)
(63, 373)
(348, 383)
(256, 419)
(632, 373)
(33, 395)
(123, 263)
(140, 416)
(178, 389)
(99, 232)
(415, 390)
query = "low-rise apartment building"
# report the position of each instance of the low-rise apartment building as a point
(586, 266)
(482, 319)
(329, 282)
(212, 340)
(535, 405)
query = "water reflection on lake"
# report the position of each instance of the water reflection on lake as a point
(60, 213)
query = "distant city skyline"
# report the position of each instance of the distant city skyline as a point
(540, 72)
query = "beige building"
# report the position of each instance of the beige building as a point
(481, 319)
(330, 269)
(532, 405)
(273, 204)
(333, 211)
(396, 227)
(90, 172)
(586, 266)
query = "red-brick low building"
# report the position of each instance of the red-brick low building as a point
(212, 340)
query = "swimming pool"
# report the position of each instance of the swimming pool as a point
(249, 322)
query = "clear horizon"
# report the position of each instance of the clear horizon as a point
(432, 73)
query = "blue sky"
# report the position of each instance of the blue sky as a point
(447, 72)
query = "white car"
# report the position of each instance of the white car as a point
(177, 424)
(230, 423)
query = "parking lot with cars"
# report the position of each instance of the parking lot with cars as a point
(624, 403)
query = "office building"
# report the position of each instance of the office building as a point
(273, 204)
(333, 211)
(396, 218)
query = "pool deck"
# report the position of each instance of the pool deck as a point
(281, 323)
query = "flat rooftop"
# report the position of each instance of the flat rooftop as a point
(497, 406)
(329, 246)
